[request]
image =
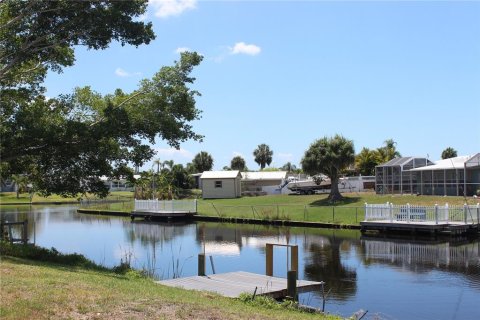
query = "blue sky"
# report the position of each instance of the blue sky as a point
(286, 73)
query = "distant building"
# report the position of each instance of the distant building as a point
(264, 182)
(457, 176)
(221, 184)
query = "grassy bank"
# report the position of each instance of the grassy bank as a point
(311, 208)
(24, 198)
(47, 290)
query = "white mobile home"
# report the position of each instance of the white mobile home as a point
(221, 184)
(268, 182)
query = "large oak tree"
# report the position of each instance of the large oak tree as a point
(65, 144)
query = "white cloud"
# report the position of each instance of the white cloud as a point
(122, 73)
(182, 49)
(167, 8)
(169, 153)
(243, 48)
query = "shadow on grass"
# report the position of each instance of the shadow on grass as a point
(344, 201)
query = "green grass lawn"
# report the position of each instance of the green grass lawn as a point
(314, 208)
(39, 290)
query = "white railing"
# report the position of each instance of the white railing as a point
(388, 212)
(166, 205)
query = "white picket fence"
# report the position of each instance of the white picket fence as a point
(172, 206)
(388, 212)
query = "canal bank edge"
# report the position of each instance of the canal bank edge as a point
(288, 223)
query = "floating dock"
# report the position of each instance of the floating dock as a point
(232, 284)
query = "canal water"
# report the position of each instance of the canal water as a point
(391, 278)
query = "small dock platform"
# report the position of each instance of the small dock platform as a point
(450, 220)
(232, 284)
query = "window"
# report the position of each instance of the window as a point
(218, 184)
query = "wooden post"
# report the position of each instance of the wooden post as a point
(294, 259)
(436, 213)
(292, 284)
(201, 264)
(269, 259)
(465, 213)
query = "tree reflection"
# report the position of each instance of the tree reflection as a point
(324, 264)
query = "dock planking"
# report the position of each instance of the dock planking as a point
(232, 284)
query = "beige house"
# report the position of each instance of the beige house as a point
(221, 184)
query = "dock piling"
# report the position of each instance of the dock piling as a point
(292, 284)
(201, 264)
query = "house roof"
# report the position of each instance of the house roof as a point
(220, 174)
(264, 175)
(451, 163)
(396, 162)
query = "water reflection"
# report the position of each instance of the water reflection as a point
(460, 257)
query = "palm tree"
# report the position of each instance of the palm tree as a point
(449, 153)
(168, 163)
(203, 161)
(388, 151)
(157, 162)
(263, 155)
(366, 161)
(21, 183)
(329, 156)
(289, 167)
(238, 163)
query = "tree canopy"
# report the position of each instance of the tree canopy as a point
(202, 161)
(37, 36)
(66, 144)
(263, 155)
(329, 156)
(238, 163)
(449, 153)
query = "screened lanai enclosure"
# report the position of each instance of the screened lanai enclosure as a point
(459, 176)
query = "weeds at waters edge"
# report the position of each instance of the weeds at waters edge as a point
(269, 303)
(36, 253)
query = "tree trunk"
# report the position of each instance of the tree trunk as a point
(334, 192)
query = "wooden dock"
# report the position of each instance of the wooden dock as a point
(451, 220)
(232, 284)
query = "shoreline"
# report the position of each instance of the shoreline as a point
(289, 223)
